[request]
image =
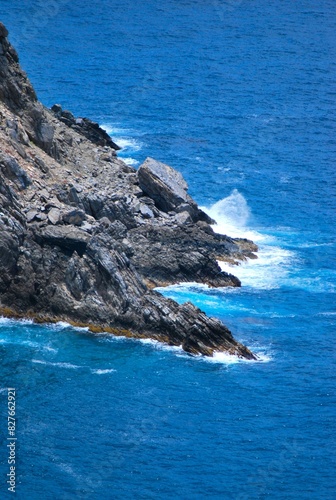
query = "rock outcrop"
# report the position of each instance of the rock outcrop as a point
(85, 238)
(163, 184)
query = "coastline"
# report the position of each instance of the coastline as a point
(86, 237)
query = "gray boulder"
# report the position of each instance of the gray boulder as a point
(163, 184)
(74, 217)
(54, 215)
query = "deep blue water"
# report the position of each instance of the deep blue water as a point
(240, 97)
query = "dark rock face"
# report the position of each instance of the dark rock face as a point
(175, 253)
(84, 238)
(85, 126)
(65, 237)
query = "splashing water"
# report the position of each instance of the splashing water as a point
(232, 215)
(233, 208)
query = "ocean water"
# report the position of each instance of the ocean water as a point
(240, 97)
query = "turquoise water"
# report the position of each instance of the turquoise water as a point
(240, 97)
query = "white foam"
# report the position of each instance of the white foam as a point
(128, 144)
(17, 340)
(5, 321)
(60, 325)
(109, 337)
(148, 341)
(103, 372)
(111, 130)
(231, 359)
(269, 271)
(223, 358)
(70, 366)
(218, 357)
(130, 161)
(114, 130)
(180, 287)
(50, 349)
(124, 138)
(36, 345)
(161, 345)
(315, 245)
(59, 365)
(63, 325)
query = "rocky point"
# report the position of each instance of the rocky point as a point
(85, 238)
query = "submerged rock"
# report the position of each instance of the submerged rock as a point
(85, 238)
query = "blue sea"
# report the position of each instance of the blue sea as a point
(239, 96)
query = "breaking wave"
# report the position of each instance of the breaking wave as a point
(270, 270)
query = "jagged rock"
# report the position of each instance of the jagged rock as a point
(84, 237)
(3, 31)
(15, 89)
(182, 253)
(146, 212)
(44, 195)
(57, 109)
(86, 127)
(86, 226)
(41, 165)
(44, 136)
(246, 246)
(54, 216)
(65, 237)
(163, 184)
(12, 170)
(117, 230)
(183, 218)
(75, 217)
(168, 189)
(17, 132)
(41, 217)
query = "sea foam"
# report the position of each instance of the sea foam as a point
(130, 161)
(70, 366)
(58, 365)
(229, 359)
(124, 138)
(5, 321)
(128, 144)
(103, 371)
(63, 325)
(269, 271)
(232, 215)
(218, 357)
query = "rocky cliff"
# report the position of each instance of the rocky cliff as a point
(85, 238)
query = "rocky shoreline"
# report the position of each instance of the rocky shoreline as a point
(85, 238)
